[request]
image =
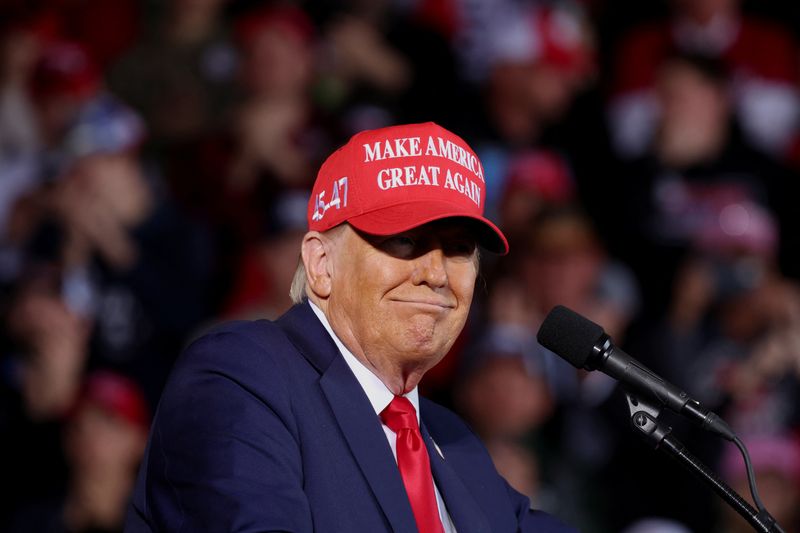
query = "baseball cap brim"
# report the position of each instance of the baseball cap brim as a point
(406, 216)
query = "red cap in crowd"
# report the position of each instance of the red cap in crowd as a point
(393, 179)
(564, 43)
(65, 69)
(287, 18)
(554, 36)
(117, 395)
(542, 172)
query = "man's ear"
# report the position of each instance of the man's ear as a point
(316, 260)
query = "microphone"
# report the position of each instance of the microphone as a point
(585, 345)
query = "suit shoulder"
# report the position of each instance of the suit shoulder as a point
(254, 355)
(240, 338)
(252, 330)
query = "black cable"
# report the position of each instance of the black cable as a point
(751, 477)
(751, 480)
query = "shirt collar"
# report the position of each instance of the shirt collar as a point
(379, 395)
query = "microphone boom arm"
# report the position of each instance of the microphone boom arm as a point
(644, 418)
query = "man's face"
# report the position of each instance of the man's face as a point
(400, 301)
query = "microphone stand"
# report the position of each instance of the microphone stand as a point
(644, 417)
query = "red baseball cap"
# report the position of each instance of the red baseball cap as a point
(393, 179)
(542, 172)
(557, 36)
(65, 69)
(287, 18)
(117, 395)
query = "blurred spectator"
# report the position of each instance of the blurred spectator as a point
(358, 53)
(119, 201)
(229, 178)
(541, 56)
(537, 180)
(561, 261)
(277, 70)
(537, 95)
(75, 114)
(21, 44)
(731, 335)
(267, 268)
(104, 439)
(121, 288)
(46, 221)
(761, 55)
(728, 337)
(464, 24)
(45, 85)
(45, 355)
(276, 44)
(506, 393)
(55, 340)
(383, 62)
(475, 28)
(132, 262)
(73, 117)
(697, 163)
(179, 75)
(64, 81)
(125, 260)
(263, 146)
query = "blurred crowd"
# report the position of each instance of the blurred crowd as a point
(643, 158)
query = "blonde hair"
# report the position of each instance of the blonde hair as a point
(298, 291)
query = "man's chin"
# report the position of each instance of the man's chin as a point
(427, 349)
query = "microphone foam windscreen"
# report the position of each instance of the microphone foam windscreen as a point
(569, 335)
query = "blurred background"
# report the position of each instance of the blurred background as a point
(642, 157)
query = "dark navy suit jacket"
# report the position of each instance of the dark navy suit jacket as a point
(263, 427)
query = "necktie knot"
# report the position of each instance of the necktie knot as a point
(400, 414)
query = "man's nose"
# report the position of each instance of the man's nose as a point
(430, 268)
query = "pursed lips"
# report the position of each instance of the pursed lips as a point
(425, 303)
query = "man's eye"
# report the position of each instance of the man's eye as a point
(399, 245)
(460, 247)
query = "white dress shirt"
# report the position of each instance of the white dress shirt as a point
(380, 397)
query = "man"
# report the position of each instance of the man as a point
(313, 422)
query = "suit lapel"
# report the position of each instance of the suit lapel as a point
(464, 510)
(367, 441)
(354, 414)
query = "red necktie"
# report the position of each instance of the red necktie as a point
(414, 464)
